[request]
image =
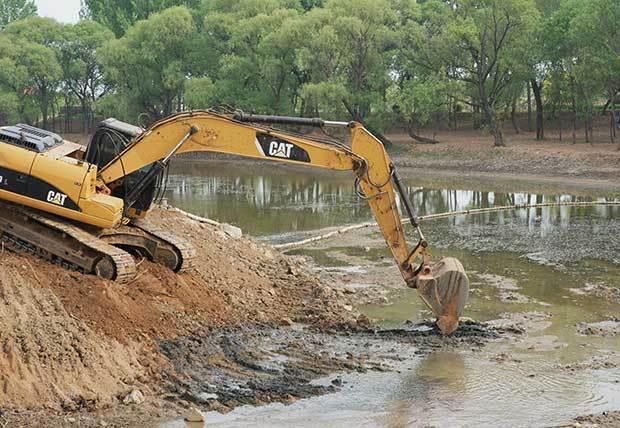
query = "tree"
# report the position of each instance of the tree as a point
(582, 43)
(540, 66)
(418, 94)
(9, 106)
(483, 43)
(417, 100)
(14, 10)
(120, 15)
(148, 65)
(310, 4)
(595, 34)
(199, 93)
(257, 63)
(30, 65)
(348, 50)
(82, 74)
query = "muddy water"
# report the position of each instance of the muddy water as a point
(528, 266)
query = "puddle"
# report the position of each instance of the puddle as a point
(443, 390)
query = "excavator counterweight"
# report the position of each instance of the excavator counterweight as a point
(98, 197)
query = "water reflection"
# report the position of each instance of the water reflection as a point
(268, 201)
(438, 379)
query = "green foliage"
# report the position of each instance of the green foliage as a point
(382, 62)
(14, 10)
(29, 64)
(148, 64)
(483, 43)
(418, 100)
(119, 15)
(310, 4)
(259, 66)
(582, 44)
(9, 107)
(82, 74)
(199, 93)
(347, 52)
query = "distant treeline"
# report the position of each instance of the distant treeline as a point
(383, 62)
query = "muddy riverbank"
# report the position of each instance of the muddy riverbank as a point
(524, 158)
(73, 343)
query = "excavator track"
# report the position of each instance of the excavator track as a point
(186, 251)
(154, 243)
(62, 243)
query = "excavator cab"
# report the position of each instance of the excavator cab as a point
(107, 143)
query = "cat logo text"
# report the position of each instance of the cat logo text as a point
(56, 198)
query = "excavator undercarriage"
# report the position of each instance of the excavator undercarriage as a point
(108, 253)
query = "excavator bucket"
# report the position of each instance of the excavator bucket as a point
(444, 287)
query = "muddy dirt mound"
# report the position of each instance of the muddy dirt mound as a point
(255, 365)
(609, 327)
(609, 293)
(609, 361)
(49, 357)
(71, 338)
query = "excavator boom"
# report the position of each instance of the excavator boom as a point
(444, 287)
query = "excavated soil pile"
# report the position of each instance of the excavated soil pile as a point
(72, 341)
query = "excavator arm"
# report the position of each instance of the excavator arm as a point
(443, 287)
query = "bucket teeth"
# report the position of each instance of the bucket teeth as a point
(444, 288)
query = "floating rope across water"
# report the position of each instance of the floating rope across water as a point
(476, 211)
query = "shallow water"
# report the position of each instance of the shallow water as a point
(519, 262)
(426, 394)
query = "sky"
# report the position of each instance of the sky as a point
(61, 10)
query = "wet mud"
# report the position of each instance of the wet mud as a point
(601, 328)
(261, 364)
(602, 420)
(609, 293)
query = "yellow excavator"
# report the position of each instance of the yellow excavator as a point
(85, 207)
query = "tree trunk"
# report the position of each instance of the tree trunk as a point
(574, 107)
(85, 118)
(497, 133)
(476, 122)
(529, 107)
(66, 121)
(420, 139)
(489, 116)
(44, 106)
(609, 102)
(560, 124)
(454, 117)
(616, 118)
(449, 112)
(537, 88)
(513, 115)
(53, 124)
